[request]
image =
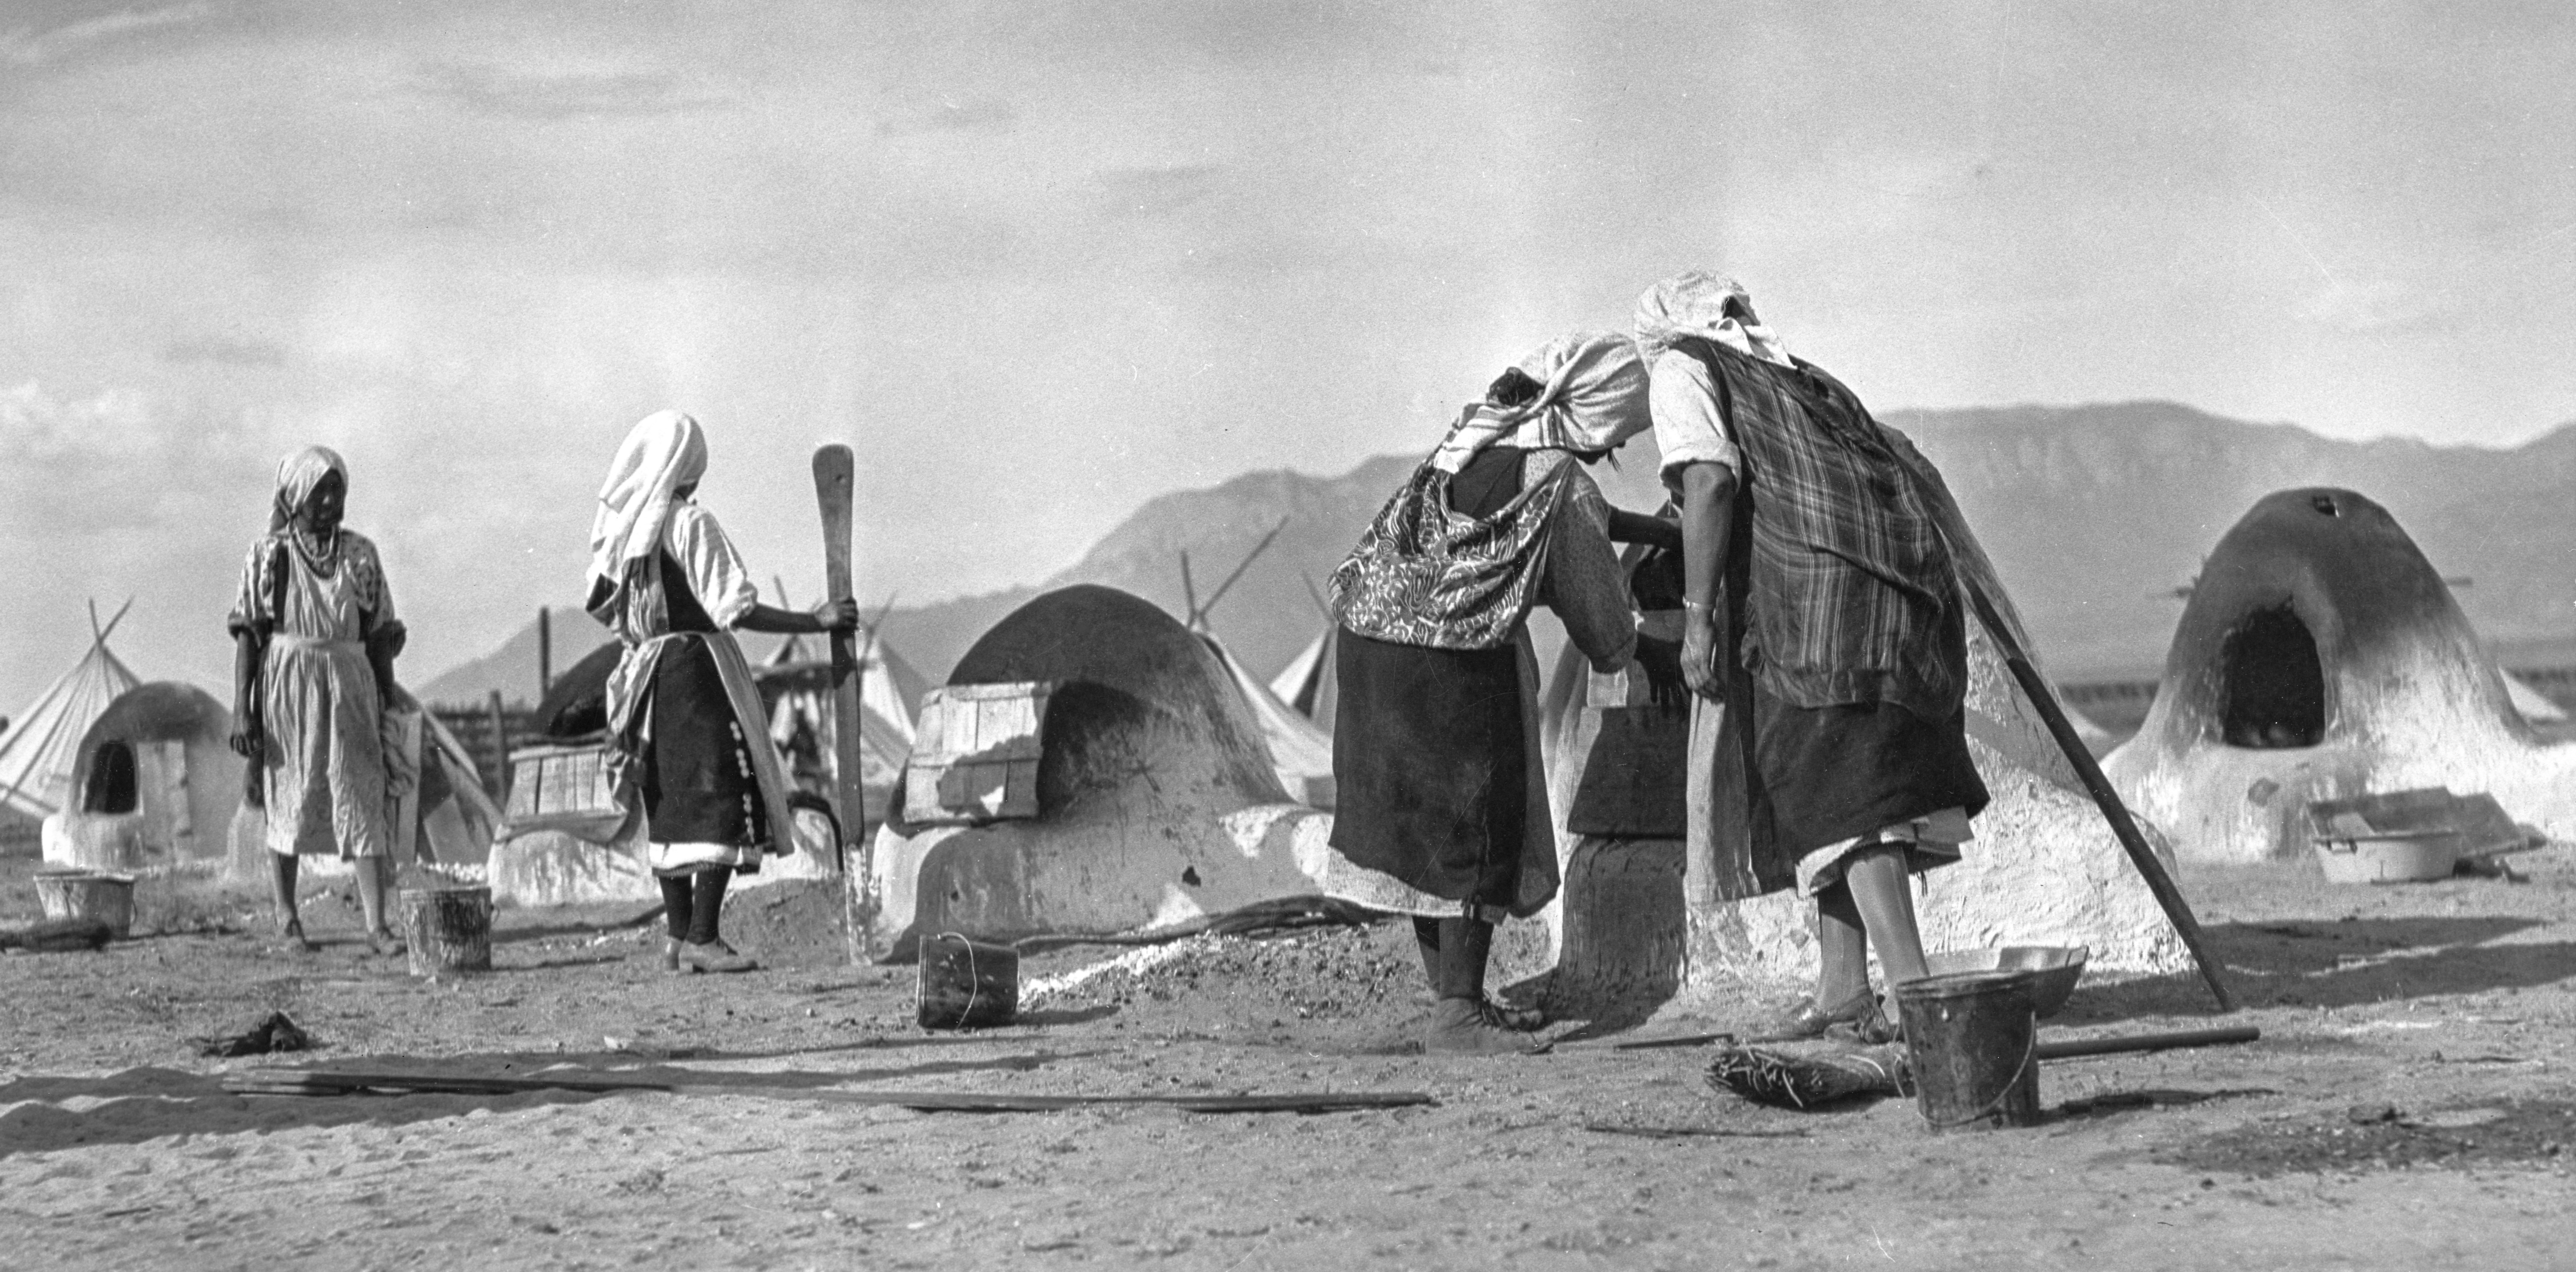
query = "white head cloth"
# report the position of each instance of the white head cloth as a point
(663, 452)
(1593, 399)
(1693, 303)
(297, 475)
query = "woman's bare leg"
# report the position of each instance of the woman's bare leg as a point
(371, 874)
(1842, 947)
(281, 889)
(1882, 890)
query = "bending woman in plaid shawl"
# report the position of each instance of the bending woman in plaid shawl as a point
(1823, 616)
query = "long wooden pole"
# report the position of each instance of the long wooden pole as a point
(835, 470)
(545, 651)
(2122, 825)
(500, 779)
(1241, 566)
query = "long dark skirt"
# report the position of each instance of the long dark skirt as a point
(1831, 773)
(697, 782)
(1429, 768)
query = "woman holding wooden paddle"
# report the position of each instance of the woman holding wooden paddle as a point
(686, 729)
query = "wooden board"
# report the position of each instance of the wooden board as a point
(327, 1082)
(975, 754)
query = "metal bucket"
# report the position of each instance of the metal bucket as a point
(448, 929)
(967, 984)
(1972, 1040)
(88, 894)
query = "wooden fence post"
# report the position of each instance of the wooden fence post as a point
(499, 780)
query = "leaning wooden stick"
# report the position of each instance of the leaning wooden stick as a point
(833, 473)
(2113, 811)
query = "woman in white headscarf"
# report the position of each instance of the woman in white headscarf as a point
(1435, 759)
(687, 732)
(315, 638)
(1823, 614)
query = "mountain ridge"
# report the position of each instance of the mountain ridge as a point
(2094, 514)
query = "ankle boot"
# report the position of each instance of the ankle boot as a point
(1465, 1027)
(715, 956)
(1465, 947)
(1426, 941)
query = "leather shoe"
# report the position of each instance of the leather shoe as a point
(1874, 1028)
(1465, 1027)
(714, 956)
(1517, 1019)
(1807, 1020)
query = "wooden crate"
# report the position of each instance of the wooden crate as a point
(555, 782)
(975, 752)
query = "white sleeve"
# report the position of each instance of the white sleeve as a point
(716, 572)
(1689, 429)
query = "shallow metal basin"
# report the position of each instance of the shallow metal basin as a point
(2058, 967)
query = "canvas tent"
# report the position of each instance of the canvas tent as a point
(154, 785)
(2322, 657)
(1301, 752)
(1157, 800)
(42, 744)
(2529, 703)
(448, 818)
(1309, 684)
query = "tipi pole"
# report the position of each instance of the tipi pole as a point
(545, 651)
(112, 619)
(1189, 594)
(1317, 597)
(1240, 567)
(2122, 825)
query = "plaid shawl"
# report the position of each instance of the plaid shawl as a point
(1851, 596)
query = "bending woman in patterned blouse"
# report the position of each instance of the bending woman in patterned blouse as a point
(315, 637)
(687, 732)
(1435, 754)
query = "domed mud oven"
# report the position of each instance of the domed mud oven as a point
(2322, 656)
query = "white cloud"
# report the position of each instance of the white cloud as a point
(26, 46)
(2370, 306)
(116, 459)
(561, 93)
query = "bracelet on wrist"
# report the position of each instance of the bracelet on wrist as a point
(1704, 607)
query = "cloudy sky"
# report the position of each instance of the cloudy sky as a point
(1039, 262)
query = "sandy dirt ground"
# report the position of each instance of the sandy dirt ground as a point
(2411, 1106)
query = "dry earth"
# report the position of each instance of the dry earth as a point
(2412, 1105)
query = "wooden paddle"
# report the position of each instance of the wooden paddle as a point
(2123, 826)
(833, 473)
